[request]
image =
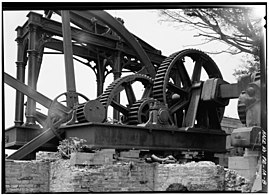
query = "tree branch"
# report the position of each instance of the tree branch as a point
(232, 26)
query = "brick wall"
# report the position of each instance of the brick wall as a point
(60, 176)
(107, 178)
(140, 177)
(26, 176)
(201, 176)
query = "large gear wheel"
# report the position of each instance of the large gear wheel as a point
(173, 84)
(125, 84)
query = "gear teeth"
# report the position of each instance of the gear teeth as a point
(80, 113)
(133, 117)
(241, 109)
(162, 72)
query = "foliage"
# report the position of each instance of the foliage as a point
(237, 27)
(248, 66)
(70, 145)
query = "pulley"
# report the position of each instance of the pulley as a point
(91, 111)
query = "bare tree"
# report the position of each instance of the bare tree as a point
(237, 27)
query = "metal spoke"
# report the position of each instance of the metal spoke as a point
(192, 110)
(129, 93)
(179, 105)
(124, 110)
(147, 92)
(183, 73)
(196, 74)
(177, 89)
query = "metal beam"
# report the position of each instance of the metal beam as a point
(229, 91)
(99, 135)
(77, 50)
(124, 33)
(54, 27)
(34, 144)
(96, 40)
(16, 137)
(71, 99)
(28, 91)
(233, 90)
(68, 52)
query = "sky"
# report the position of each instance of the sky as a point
(143, 23)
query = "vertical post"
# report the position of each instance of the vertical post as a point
(32, 55)
(68, 60)
(117, 74)
(100, 70)
(21, 77)
(100, 84)
(19, 107)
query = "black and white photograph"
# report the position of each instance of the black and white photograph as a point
(134, 97)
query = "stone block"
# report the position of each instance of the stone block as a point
(111, 151)
(41, 155)
(130, 154)
(242, 162)
(245, 166)
(97, 158)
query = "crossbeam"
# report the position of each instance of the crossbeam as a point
(95, 40)
(124, 33)
(28, 91)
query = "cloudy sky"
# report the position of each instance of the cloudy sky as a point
(143, 23)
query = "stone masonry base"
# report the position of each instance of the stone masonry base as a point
(61, 176)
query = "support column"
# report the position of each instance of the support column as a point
(100, 71)
(19, 107)
(71, 98)
(117, 74)
(100, 85)
(32, 66)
